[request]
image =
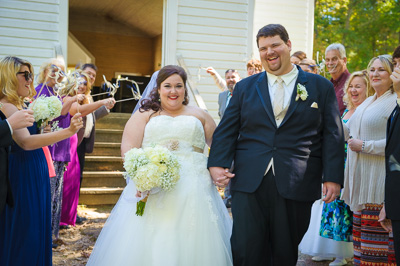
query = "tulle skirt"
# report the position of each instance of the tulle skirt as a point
(186, 226)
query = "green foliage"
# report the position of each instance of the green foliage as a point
(366, 28)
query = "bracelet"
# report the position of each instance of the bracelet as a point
(363, 145)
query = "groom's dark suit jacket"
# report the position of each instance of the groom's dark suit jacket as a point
(392, 160)
(307, 148)
(5, 143)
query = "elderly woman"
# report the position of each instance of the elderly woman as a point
(363, 191)
(25, 229)
(71, 186)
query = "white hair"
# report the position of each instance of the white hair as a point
(337, 46)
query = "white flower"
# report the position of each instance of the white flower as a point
(301, 92)
(46, 109)
(152, 167)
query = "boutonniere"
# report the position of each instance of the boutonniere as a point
(301, 92)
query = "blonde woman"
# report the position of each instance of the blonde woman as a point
(331, 236)
(25, 229)
(70, 195)
(363, 190)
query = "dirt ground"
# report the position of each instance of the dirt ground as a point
(77, 242)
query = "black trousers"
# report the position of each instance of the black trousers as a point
(396, 237)
(267, 228)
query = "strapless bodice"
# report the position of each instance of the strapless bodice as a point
(176, 133)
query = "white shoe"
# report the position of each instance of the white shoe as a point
(318, 258)
(338, 262)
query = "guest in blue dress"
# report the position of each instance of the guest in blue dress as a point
(25, 228)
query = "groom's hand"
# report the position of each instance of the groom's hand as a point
(221, 176)
(330, 191)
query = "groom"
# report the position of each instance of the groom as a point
(283, 130)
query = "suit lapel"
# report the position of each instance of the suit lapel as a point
(263, 92)
(302, 79)
(392, 124)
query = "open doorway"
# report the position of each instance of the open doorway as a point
(117, 36)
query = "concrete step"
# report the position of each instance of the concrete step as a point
(92, 179)
(100, 195)
(109, 135)
(106, 149)
(103, 163)
(113, 121)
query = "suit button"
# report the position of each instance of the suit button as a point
(274, 148)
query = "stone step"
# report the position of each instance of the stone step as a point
(106, 149)
(113, 121)
(103, 163)
(100, 195)
(109, 135)
(93, 179)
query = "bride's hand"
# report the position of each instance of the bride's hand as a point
(138, 194)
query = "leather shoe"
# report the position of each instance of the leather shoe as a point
(62, 227)
(80, 220)
(228, 203)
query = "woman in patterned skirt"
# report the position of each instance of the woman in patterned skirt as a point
(364, 181)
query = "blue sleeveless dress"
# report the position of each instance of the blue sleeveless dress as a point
(25, 229)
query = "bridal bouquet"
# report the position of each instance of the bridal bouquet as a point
(46, 109)
(149, 168)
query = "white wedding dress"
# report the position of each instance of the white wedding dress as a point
(187, 226)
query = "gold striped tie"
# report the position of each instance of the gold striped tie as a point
(279, 97)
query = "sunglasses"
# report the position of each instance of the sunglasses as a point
(28, 75)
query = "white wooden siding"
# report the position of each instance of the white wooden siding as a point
(297, 16)
(222, 34)
(32, 29)
(209, 33)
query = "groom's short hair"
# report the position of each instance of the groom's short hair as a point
(272, 30)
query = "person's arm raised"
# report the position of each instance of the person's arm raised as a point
(86, 109)
(31, 142)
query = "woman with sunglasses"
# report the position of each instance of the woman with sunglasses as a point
(25, 228)
(70, 195)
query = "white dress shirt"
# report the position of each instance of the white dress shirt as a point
(289, 80)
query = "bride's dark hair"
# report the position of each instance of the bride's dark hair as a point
(153, 102)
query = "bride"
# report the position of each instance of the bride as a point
(188, 225)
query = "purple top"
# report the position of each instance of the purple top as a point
(338, 84)
(60, 150)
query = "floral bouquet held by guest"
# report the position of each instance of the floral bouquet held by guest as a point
(45, 109)
(151, 169)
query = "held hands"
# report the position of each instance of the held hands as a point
(330, 191)
(355, 144)
(109, 103)
(220, 176)
(396, 80)
(76, 123)
(386, 223)
(21, 119)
